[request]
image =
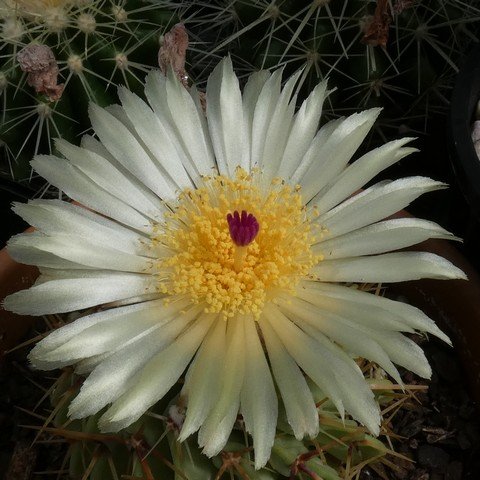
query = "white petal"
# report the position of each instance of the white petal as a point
(155, 137)
(86, 366)
(357, 397)
(278, 129)
(362, 171)
(344, 302)
(342, 331)
(251, 93)
(93, 145)
(32, 256)
(57, 217)
(202, 386)
(303, 130)
(226, 119)
(216, 429)
(334, 154)
(156, 378)
(114, 376)
(262, 116)
(354, 304)
(188, 122)
(78, 186)
(199, 104)
(375, 203)
(106, 336)
(126, 149)
(258, 400)
(169, 124)
(67, 295)
(122, 185)
(404, 352)
(78, 250)
(66, 333)
(309, 356)
(381, 237)
(388, 267)
(328, 366)
(119, 113)
(316, 145)
(297, 398)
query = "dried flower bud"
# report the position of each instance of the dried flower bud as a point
(40, 64)
(173, 52)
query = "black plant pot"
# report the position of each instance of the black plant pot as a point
(465, 161)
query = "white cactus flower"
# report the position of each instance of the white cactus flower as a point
(225, 246)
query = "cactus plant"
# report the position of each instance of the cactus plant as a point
(400, 55)
(93, 45)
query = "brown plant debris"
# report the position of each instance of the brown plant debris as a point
(377, 26)
(40, 64)
(22, 462)
(173, 52)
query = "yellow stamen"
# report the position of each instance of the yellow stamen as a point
(207, 266)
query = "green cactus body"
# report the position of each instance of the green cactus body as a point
(402, 56)
(97, 45)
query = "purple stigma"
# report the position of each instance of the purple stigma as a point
(243, 228)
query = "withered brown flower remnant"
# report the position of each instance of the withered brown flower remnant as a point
(376, 28)
(173, 52)
(40, 64)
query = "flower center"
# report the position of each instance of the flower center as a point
(234, 244)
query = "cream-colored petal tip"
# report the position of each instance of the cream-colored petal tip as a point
(18, 303)
(453, 272)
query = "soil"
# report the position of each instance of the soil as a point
(21, 388)
(442, 433)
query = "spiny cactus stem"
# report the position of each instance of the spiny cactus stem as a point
(310, 11)
(65, 398)
(142, 449)
(159, 440)
(330, 422)
(245, 29)
(232, 460)
(81, 436)
(301, 467)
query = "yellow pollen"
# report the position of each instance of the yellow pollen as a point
(207, 266)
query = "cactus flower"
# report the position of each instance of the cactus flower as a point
(227, 245)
